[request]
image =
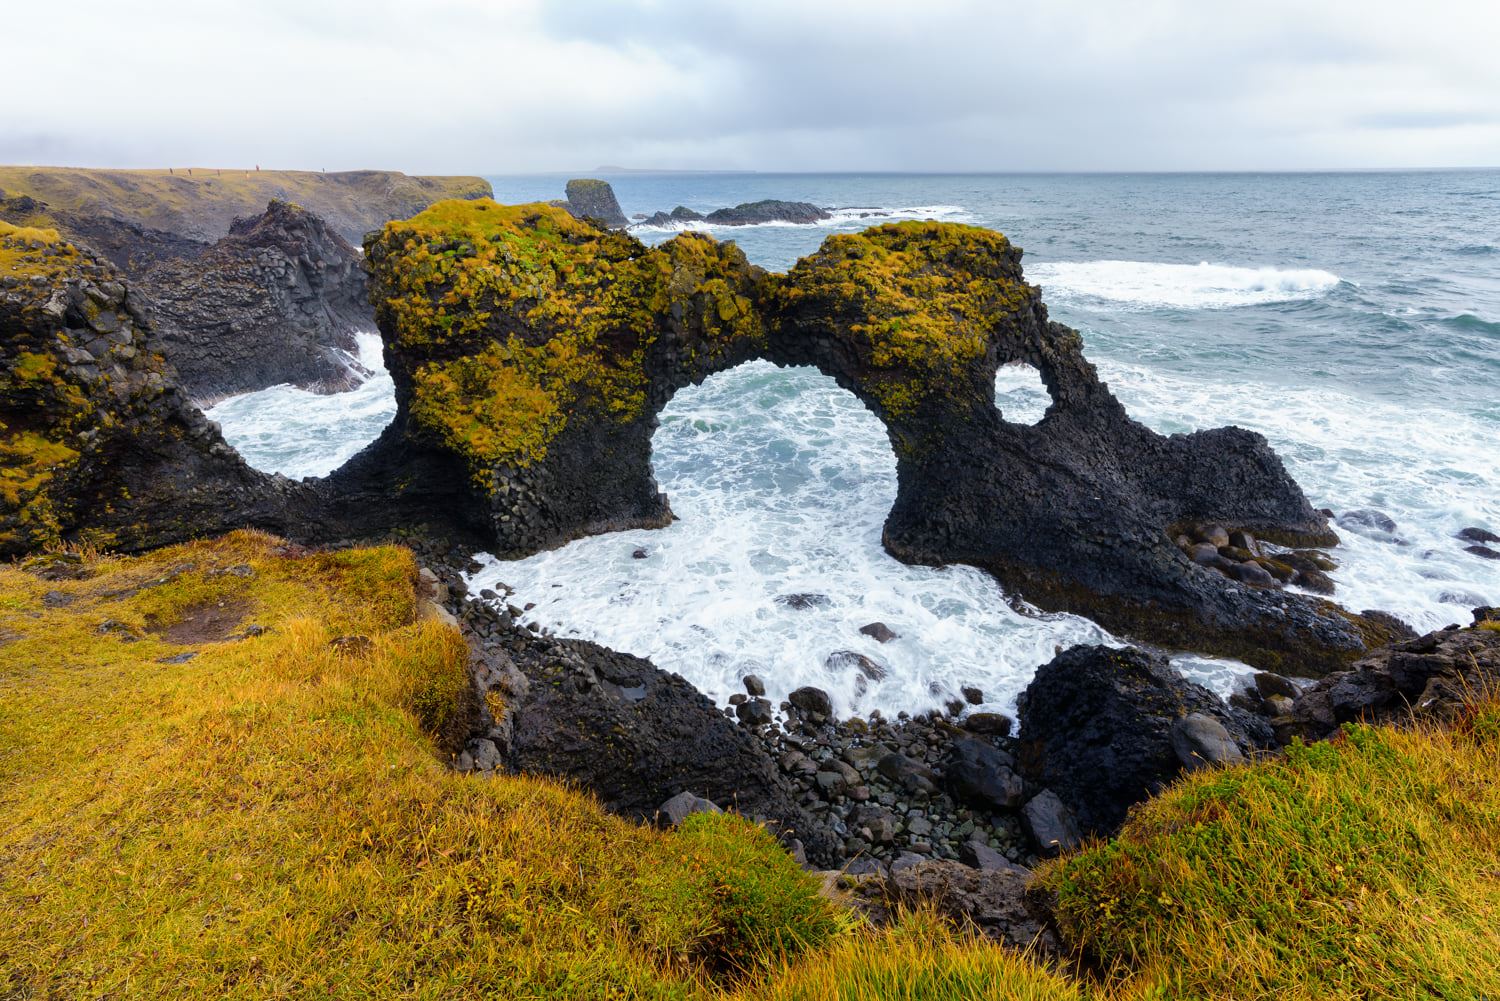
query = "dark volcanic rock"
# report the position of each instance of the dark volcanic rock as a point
(767, 210)
(1431, 676)
(1097, 728)
(589, 198)
(1480, 535)
(636, 735)
(277, 300)
(680, 214)
(982, 774)
(128, 245)
(96, 441)
(1078, 513)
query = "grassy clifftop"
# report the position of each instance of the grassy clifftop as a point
(221, 775)
(200, 204)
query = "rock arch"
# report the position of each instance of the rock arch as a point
(534, 350)
(531, 352)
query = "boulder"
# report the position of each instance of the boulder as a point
(1050, 824)
(1097, 728)
(677, 809)
(637, 737)
(879, 632)
(811, 700)
(983, 775)
(1200, 740)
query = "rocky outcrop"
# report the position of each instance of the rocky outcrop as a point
(759, 213)
(1105, 728)
(1431, 677)
(631, 733)
(200, 203)
(593, 199)
(128, 245)
(97, 443)
(534, 350)
(277, 300)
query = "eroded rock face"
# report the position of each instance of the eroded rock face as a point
(535, 350)
(277, 300)
(97, 443)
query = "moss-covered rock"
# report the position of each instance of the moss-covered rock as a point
(535, 349)
(97, 444)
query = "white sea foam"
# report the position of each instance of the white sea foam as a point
(1181, 286)
(291, 431)
(781, 482)
(1433, 471)
(838, 218)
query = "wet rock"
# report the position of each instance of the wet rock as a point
(1483, 552)
(880, 632)
(677, 809)
(1398, 630)
(754, 712)
(802, 600)
(1368, 520)
(754, 685)
(973, 696)
(1480, 535)
(989, 724)
(1050, 824)
(1268, 684)
(1200, 741)
(842, 660)
(811, 700)
(983, 775)
(1096, 729)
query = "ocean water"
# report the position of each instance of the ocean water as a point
(1352, 318)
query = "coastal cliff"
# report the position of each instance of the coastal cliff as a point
(200, 203)
(277, 300)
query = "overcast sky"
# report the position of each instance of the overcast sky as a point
(468, 86)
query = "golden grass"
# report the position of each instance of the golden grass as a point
(1363, 867)
(269, 819)
(272, 819)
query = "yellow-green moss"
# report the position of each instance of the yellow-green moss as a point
(528, 314)
(920, 300)
(27, 251)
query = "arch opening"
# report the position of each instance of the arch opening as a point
(781, 482)
(298, 433)
(1021, 394)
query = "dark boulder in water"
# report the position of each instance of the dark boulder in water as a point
(1474, 534)
(767, 210)
(590, 198)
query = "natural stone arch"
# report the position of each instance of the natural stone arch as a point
(531, 352)
(537, 349)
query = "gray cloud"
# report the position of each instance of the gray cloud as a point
(481, 85)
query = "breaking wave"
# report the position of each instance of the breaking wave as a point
(1179, 286)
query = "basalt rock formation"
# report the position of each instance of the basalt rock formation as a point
(533, 350)
(744, 214)
(277, 300)
(97, 442)
(589, 198)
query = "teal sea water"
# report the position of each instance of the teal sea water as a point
(1352, 318)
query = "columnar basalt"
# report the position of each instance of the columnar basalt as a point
(533, 350)
(97, 443)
